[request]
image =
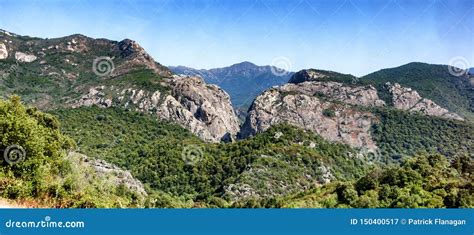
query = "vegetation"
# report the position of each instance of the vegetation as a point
(400, 133)
(427, 181)
(282, 167)
(280, 161)
(43, 173)
(433, 82)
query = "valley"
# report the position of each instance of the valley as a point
(105, 125)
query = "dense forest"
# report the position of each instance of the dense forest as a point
(35, 166)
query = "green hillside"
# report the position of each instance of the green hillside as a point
(432, 82)
(425, 181)
(153, 151)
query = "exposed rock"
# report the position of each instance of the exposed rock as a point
(23, 57)
(239, 191)
(3, 51)
(407, 99)
(203, 109)
(312, 106)
(365, 96)
(326, 174)
(209, 104)
(311, 75)
(136, 56)
(307, 76)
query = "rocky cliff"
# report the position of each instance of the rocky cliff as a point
(201, 108)
(77, 70)
(323, 107)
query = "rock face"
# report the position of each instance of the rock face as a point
(3, 51)
(136, 56)
(23, 57)
(243, 81)
(84, 71)
(201, 108)
(311, 75)
(313, 101)
(322, 107)
(407, 99)
(210, 106)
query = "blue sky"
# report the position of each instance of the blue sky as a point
(350, 36)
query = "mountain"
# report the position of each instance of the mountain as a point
(471, 71)
(79, 71)
(344, 110)
(242, 81)
(104, 125)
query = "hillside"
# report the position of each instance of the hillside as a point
(104, 125)
(280, 161)
(36, 169)
(421, 182)
(433, 82)
(243, 81)
(79, 71)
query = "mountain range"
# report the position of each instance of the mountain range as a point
(170, 137)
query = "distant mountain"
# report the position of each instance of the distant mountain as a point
(455, 93)
(471, 71)
(243, 81)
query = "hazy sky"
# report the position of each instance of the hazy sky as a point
(349, 36)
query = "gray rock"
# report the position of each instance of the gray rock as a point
(108, 172)
(23, 57)
(201, 108)
(323, 107)
(3, 51)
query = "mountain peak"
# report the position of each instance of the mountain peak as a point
(308, 75)
(244, 65)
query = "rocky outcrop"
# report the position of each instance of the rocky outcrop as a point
(365, 96)
(108, 174)
(323, 107)
(407, 99)
(201, 108)
(311, 75)
(23, 57)
(3, 51)
(135, 57)
(307, 76)
(106, 171)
